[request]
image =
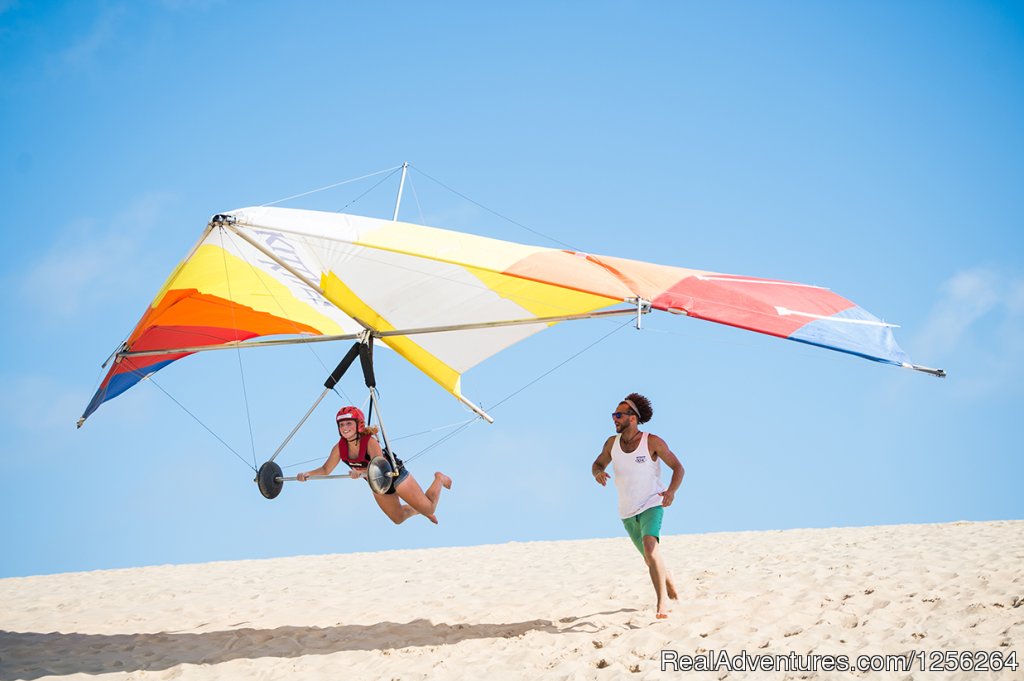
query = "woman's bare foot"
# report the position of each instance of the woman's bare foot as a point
(446, 482)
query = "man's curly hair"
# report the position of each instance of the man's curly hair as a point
(643, 407)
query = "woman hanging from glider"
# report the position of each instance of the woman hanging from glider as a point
(357, 447)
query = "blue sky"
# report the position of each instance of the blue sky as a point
(874, 148)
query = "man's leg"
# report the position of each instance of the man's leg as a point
(632, 526)
(655, 565)
(650, 530)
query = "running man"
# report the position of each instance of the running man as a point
(635, 457)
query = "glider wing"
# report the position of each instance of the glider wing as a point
(276, 271)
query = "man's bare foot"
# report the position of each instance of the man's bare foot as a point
(670, 587)
(446, 482)
(662, 616)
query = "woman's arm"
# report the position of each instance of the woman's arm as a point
(325, 469)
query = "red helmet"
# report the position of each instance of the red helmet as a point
(352, 414)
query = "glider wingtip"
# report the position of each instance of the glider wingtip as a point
(938, 373)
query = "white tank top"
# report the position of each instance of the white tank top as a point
(637, 476)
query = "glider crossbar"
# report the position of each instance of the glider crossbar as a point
(383, 334)
(237, 344)
(509, 322)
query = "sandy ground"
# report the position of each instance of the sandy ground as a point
(551, 610)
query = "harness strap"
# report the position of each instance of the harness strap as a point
(362, 460)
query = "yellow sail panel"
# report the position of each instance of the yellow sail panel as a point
(539, 298)
(351, 304)
(215, 272)
(444, 245)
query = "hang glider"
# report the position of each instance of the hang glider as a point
(443, 300)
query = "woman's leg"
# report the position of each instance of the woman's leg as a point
(393, 508)
(424, 502)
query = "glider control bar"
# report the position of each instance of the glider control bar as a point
(281, 478)
(269, 477)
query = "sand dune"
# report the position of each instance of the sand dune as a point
(552, 610)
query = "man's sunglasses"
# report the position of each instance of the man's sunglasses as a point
(621, 414)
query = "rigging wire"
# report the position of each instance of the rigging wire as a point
(330, 186)
(494, 212)
(558, 366)
(516, 392)
(434, 430)
(238, 350)
(575, 249)
(416, 196)
(99, 379)
(386, 178)
(143, 376)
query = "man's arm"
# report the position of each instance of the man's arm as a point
(601, 462)
(660, 450)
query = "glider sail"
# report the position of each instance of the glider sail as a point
(312, 276)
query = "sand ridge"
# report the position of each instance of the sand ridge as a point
(557, 610)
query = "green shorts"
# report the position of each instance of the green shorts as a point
(644, 524)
